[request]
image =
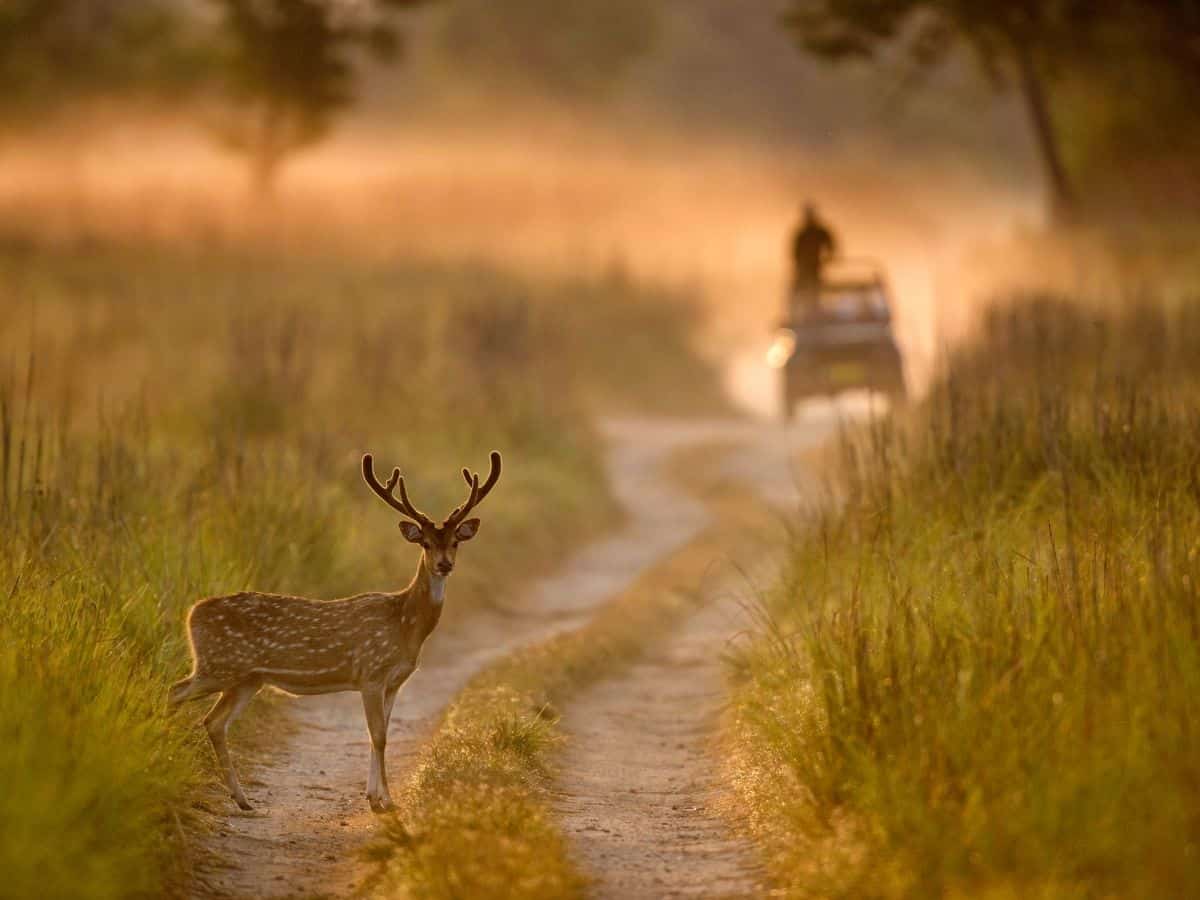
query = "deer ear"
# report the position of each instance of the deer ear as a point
(466, 530)
(411, 532)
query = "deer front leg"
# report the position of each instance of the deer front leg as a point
(377, 704)
(217, 723)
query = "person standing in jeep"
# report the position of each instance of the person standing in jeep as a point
(813, 245)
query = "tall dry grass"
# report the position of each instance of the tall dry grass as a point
(177, 422)
(980, 676)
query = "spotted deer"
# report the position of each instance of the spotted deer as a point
(370, 643)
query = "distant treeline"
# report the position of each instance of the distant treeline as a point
(1108, 85)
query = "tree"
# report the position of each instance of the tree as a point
(1021, 42)
(288, 68)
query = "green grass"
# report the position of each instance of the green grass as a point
(476, 817)
(176, 423)
(981, 676)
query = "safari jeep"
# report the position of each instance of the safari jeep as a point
(842, 342)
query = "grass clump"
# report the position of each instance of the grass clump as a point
(980, 676)
(177, 423)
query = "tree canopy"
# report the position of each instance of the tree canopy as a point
(1018, 42)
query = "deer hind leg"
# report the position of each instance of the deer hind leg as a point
(377, 704)
(181, 691)
(217, 723)
(191, 688)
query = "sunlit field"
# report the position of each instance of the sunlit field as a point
(710, 217)
(979, 675)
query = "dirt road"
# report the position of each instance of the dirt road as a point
(312, 816)
(639, 789)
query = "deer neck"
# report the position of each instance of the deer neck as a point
(426, 594)
(437, 589)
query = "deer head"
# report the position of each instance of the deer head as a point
(439, 543)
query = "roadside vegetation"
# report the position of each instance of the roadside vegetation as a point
(178, 421)
(475, 818)
(980, 676)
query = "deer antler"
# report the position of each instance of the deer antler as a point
(478, 492)
(402, 505)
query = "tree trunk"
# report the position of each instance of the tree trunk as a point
(267, 153)
(264, 172)
(1064, 207)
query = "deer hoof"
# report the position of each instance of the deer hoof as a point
(243, 804)
(381, 804)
